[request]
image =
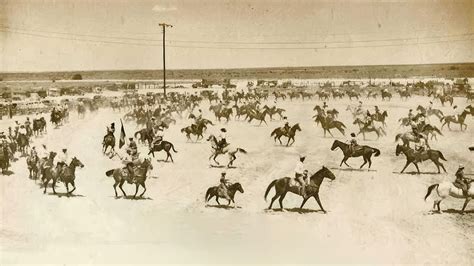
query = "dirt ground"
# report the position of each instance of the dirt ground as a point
(376, 216)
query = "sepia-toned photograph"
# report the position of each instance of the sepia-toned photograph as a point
(237, 132)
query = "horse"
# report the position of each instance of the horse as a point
(219, 151)
(163, 146)
(445, 99)
(39, 126)
(445, 189)
(380, 117)
(5, 156)
(259, 116)
(452, 119)
(431, 111)
(223, 113)
(196, 130)
(364, 151)
(278, 132)
(404, 94)
(120, 175)
(231, 190)
(68, 175)
(146, 135)
(328, 124)
(109, 140)
(415, 157)
(32, 163)
(288, 184)
(23, 143)
(353, 95)
(364, 129)
(386, 94)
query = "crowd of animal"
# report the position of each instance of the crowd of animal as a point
(153, 114)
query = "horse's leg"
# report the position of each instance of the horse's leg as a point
(73, 185)
(121, 188)
(136, 190)
(316, 197)
(115, 188)
(281, 199)
(67, 188)
(217, 199)
(406, 165)
(370, 160)
(436, 162)
(45, 184)
(144, 188)
(416, 165)
(465, 204)
(365, 161)
(54, 185)
(304, 201)
(273, 199)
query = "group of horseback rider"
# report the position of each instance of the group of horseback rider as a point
(45, 160)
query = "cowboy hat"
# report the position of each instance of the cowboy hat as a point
(223, 130)
(353, 135)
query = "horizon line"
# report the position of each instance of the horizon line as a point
(235, 68)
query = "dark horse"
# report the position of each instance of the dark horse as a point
(196, 130)
(163, 146)
(39, 126)
(146, 135)
(23, 143)
(452, 119)
(231, 190)
(416, 157)
(364, 151)
(279, 132)
(68, 175)
(109, 141)
(120, 176)
(33, 166)
(288, 184)
(327, 124)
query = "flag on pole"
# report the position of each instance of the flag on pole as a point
(122, 135)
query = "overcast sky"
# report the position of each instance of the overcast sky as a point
(38, 35)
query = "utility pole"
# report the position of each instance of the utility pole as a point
(164, 26)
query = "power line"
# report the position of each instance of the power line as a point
(238, 48)
(238, 42)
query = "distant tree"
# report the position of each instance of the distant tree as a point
(77, 77)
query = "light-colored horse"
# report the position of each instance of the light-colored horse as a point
(445, 189)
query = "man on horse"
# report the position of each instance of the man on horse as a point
(222, 141)
(63, 159)
(28, 126)
(158, 135)
(286, 127)
(430, 106)
(461, 182)
(369, 122)
(110, 130)
(301, 175)
(223, 186)
(353, 145)
(377, 111)
(132, 147)
(421, 145)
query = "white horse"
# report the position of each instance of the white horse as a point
(445, 189)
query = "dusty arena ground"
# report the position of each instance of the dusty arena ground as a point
(376, 216)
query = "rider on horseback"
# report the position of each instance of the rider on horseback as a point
(353, 143)
(132, 147)
(62, 162)
(286, 127)
(110, 131)
(28, 125)
(22, 131)
(222, 142)
(301, 175)
(461, 182)
(369, 122)
(377, 111)
(159, 135)
(223, 186)
(129, 166)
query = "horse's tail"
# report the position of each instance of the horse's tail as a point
(441, 156)
(110, 172)
(208, 194)
(430, 188)
(274, 132)
(377, 152)
(172, 147)
(272, 184)
(242, 150)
